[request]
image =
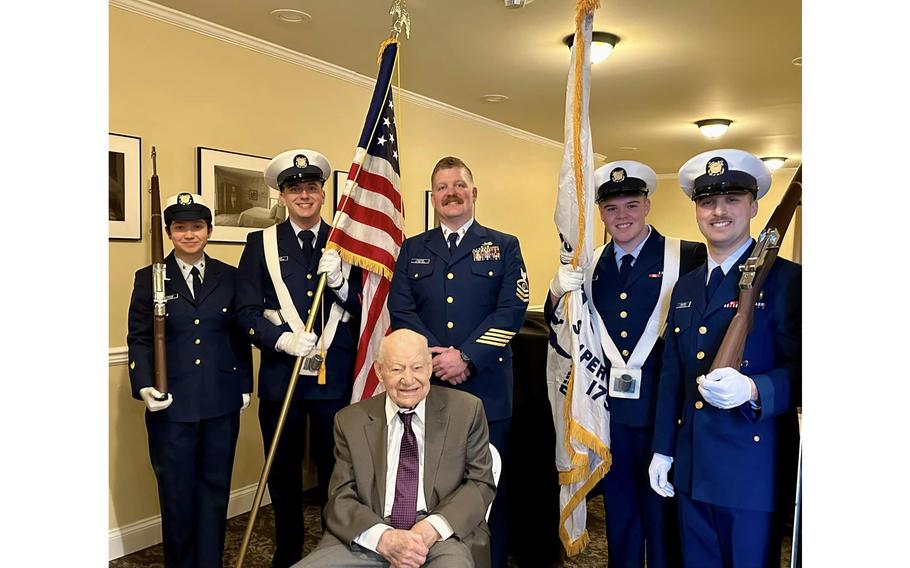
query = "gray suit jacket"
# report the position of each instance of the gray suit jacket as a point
(457, 477)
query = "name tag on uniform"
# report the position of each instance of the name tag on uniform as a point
(171, 297)
(420, 261)
(486, 251)
(681, 305)
(282, 259)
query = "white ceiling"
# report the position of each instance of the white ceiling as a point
(678, 61)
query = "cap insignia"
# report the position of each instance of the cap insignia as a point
(300, 161)
(618, 175)
(716, 167)
(184, 199)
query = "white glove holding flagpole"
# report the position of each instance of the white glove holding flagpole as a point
(567, 280)
(246, 401)
(299, 344)
(657, 472)
(330, 264)
(150, 396)
(725, 388)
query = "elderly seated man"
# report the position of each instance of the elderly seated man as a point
(413, 472)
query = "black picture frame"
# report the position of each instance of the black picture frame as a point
(251, 203)
(124, 187)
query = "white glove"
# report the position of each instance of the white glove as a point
(657, 471)
(567, 279)
(246, 401)
(725, 388)
(330, 264)
(150, 394)
(299, 344)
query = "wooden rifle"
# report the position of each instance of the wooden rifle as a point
(159, 276)
(754, 272)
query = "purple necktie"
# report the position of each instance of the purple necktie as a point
(404, 509)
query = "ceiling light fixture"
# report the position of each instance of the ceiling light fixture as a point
(774, 162)
(495, 98)
(713, 127)
(291, 16)
(602, 44)
(517, 3)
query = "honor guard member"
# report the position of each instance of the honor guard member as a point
(192, 433)
(630, 281)
(721, 431)
(278, 275)
(464, 287)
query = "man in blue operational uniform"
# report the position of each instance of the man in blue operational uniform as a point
(464, 287)
(277, 279)
(192, 432)
(721, 431)
(629, 282)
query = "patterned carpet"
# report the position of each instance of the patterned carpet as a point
(259, 553)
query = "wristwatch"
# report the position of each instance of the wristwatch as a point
(465, 358)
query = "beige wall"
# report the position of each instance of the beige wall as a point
(178, 90)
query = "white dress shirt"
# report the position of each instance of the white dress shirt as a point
(370, 537)
(186, 270)
(461, 231)
(619, 252)
(728, 262)
(342, 292)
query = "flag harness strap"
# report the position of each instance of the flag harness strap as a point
(288, 311)
(655, 322)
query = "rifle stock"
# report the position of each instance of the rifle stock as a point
(755, 271)
(159, 275)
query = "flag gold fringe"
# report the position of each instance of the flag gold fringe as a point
(361, 261)
(573, 547)
(382, 47)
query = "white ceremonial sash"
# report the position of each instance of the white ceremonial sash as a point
(658, 315)
(288, 311)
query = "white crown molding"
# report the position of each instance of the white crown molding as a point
(117, 356)
(233, 37)
(147, 532)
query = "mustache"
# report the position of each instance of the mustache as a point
(452, 199)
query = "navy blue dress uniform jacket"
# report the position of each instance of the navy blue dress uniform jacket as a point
(209, 363)
(474, 300)
(637, 299)
(256, 293)
(730, 457)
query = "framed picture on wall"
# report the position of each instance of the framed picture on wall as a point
(430, 219)
(233, 186)
(124, 187)
(340, 178)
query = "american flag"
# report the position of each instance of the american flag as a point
(370, 219)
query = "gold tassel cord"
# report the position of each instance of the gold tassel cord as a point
(321, 377)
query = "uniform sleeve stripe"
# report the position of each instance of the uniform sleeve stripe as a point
(491, 342)
(500, 331)
(494, 336)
